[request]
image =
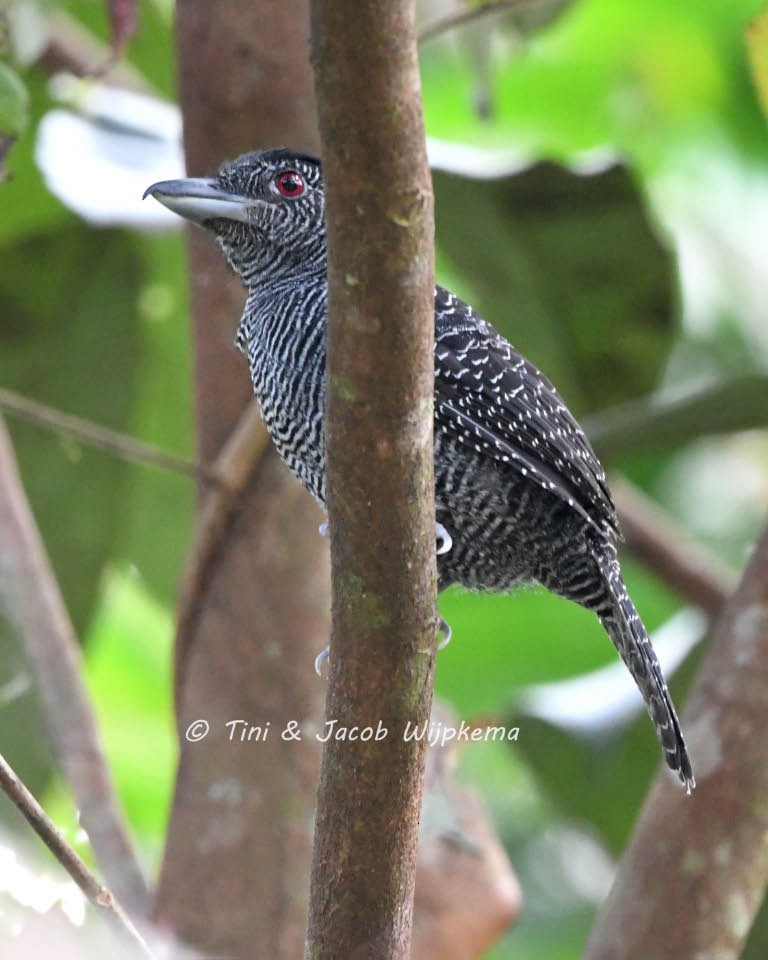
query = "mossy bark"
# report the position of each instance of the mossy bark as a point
(380, 475)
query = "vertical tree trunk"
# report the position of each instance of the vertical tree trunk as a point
(238, 847)
(380, 477)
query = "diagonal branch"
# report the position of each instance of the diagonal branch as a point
(44, 827)
(695, 872)
(655, 539)
(477, 12)
(95, 435)
(30, 595)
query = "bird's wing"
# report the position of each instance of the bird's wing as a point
(492, 399)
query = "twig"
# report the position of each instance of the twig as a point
(95, 435)
(673, 417)
(101, 898)
(74, 49)
(654, 537)
(236, 463)
(463, 17)
(694, 874)
(30, 595)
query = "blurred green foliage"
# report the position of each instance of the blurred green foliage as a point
(648, 78)
(14, 102)
(59, 338)
(129, 674)
(580, 271)
(531, 240)
(757, 43)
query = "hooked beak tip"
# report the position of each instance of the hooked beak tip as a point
(199, 200)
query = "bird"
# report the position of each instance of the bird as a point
(520, 495)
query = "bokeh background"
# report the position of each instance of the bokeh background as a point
(601, 176)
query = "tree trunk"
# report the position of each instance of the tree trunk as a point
(381, 487)
(238, 848)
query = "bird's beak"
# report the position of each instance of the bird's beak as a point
(199, 200)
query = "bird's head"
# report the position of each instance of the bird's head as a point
(265, 209)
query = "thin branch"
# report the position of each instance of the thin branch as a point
(695, 872)
(72, 48)
(97, 894)
(227, 474)
(30, 595)
(656, 540)
(95, 435)
(673, 417)
(462, 17)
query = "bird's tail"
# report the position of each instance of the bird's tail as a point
(624, 626)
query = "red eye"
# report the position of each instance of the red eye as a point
(289, 184)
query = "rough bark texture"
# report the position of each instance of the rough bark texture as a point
(235, 872)
(381, 487)
(696, 869)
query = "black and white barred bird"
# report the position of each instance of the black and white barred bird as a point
(520, 494)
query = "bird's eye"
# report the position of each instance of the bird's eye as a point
(289, 184)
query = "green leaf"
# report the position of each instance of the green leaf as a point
(647, 78)
(14, 102)
(69, 339)
(568, 268)
(128, 671)
(757, 47)
(28, 208)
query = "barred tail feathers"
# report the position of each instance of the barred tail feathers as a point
(624, 626)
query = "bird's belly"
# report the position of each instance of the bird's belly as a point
(506, 530)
